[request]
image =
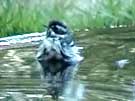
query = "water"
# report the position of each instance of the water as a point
(99, 78)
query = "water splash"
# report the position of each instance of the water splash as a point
(133, 90)
(122, 63)
(74, 91)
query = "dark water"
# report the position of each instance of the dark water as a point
(99, 78)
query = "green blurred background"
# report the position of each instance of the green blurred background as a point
(25, 16)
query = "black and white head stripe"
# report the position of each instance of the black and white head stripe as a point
(58, 27)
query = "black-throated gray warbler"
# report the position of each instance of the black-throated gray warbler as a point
(58, 53)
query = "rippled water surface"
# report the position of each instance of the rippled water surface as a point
(106, 74)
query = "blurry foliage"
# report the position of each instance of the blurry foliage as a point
(24, 16)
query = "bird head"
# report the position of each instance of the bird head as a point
(57, 29)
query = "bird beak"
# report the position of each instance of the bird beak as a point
(45, 26)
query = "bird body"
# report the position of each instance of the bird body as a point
(58, 50)
(58, 55)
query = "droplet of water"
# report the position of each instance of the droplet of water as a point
(133, 90)
(122, 63)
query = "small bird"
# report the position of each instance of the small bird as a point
(58, 55)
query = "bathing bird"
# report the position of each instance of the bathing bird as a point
(58, 55)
